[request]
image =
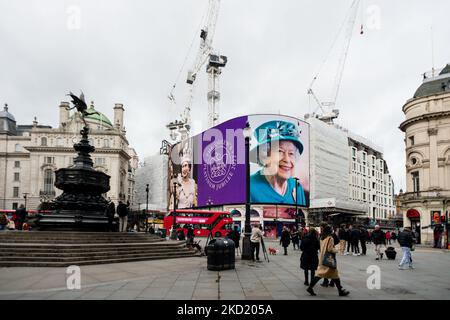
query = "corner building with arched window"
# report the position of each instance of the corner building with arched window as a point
(427, 147)
(30, 155)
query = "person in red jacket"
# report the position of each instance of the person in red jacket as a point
(388, 237)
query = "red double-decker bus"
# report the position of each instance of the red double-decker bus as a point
(219, 222)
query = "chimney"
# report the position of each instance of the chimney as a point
(63, 113)
(118, 116)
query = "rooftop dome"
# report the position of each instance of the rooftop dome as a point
(435, 85)
(7, 122)
(97, 117)
(6, 114)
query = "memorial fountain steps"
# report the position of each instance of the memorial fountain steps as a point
(60, 250)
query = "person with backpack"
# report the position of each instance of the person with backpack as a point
(122, 211)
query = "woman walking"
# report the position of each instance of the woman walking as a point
(323, 271)
(310, 259)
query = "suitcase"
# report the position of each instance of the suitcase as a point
(390, 253)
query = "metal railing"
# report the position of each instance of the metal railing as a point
(47, 192)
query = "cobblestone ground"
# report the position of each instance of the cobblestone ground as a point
(189, 279)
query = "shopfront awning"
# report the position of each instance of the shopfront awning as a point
(413, 214)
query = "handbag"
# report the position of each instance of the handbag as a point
(329, 259)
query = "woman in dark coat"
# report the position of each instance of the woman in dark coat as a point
(310, 259)
(285, 239)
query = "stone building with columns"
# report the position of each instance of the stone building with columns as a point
(427, 147)
(30, 155)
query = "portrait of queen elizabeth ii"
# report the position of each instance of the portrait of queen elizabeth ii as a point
(277, 153)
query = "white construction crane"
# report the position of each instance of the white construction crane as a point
(329, 112)
(213, 69)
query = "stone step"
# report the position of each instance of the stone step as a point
(77, 233)
(55, 235)
(20, 263)
(90, 248)
(77, 241)
(33, 253)
(87, 246)
(95, 256)
(80, 248)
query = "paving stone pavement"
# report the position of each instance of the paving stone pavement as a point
(189, 279)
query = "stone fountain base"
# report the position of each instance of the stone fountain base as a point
(82, 205)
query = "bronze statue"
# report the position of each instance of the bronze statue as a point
(81, 106)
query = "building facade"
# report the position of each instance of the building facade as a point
(427, 148)
(30, 155)
(350, 180)
(370, 182)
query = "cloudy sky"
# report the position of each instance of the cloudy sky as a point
(131, 52)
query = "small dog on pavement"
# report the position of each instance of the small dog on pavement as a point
(273, 251)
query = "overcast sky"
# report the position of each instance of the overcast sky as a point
(131, 52)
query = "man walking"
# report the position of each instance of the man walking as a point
(363, 238)
(379, 238)
(405, 240)
(235, 236)
(122, 211)
(355, 236)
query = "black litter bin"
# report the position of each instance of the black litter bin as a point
(220, 253)
(390, 253)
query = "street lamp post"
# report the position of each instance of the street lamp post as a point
(246, 247)
(296, 202)
(146, 211)
(173, 236)
(25, 197)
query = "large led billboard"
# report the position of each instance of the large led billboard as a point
(209, 169)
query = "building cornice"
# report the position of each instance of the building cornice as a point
(428, 116)
(14, 155)
(70, 150)
(420, 100)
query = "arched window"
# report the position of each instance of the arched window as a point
(48, 181)
(44, 141)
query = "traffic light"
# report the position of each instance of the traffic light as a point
(442, 219)
(436, 217)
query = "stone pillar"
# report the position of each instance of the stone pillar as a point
(434, 178)
(63, 113)
(118, 116)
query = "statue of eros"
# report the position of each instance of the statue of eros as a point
(81, 106)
